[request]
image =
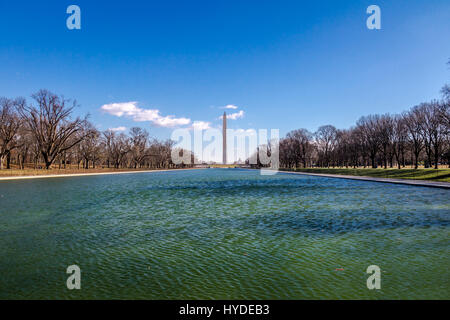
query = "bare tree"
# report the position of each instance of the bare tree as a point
(385, 132)
(325, 139)
(50, 123)
(10, 123)
(25, 144)
(118, 146)
(370, 131)
(413, 121)
(90, 145)
(435, 129)
(139, 141)
(300, 146)
(343, 151)
(399, 139)
(444, 114)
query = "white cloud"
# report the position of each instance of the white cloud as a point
(234, 116)
(117, 129)
(201, 125)
(229, 106)
(120, 109)
(130, 109)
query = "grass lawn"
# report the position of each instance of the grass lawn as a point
(442, 175)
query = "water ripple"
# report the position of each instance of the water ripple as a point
(222, 234)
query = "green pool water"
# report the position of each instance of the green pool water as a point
(222, 234)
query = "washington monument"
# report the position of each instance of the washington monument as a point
(224, 138)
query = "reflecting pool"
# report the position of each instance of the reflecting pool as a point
(222, 234)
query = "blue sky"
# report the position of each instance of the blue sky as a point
(284, 64)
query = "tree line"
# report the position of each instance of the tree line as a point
(414, 137)
(45, 134)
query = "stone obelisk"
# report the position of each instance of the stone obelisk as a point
(224, 138)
